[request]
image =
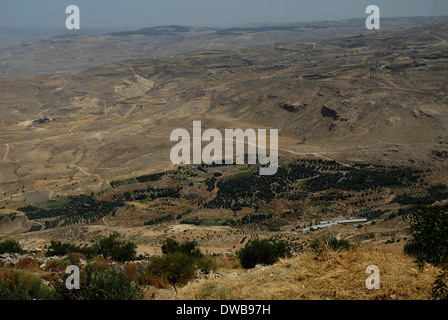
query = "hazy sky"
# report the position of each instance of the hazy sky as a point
(221, 13)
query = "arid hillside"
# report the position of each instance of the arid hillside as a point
(362, 119)
(378, 99)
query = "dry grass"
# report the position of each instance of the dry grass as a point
(55, 265)
(75, 258)
(28, 264)
(132, 271)
(331, 276)
(104, 264)
(159, 281)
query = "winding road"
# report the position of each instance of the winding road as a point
(89, 174)
(5, 157)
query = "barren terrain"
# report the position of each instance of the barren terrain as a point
(362, 119)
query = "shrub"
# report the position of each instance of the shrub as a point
(75, 258)
(55, 265)
(189, 248)
(429, 227)
(109, 248)
(113, 249)
(158, 281)
(439, 289)
(329, 243)
(102, 264)
(28, 264)
(132, 271)
(10, 246)
(227, 262)
(212, 291)
(95, 284)
(178, 264)
(206, 263)
(338, 244)
(57, 248)
(24, 286)
(170, 245)
(262, 252)
(176, 267)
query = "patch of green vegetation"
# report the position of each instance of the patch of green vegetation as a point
(159, 220)
(10, 246)
(108, 248)
(24, 286)
(429, 228)
(57, 204)
(79, 209)
(243, 175)
(363, 179)
(35, 227)
(435, 193)
(213, 223)
(179, 262)
(96, 284)
(262, 251)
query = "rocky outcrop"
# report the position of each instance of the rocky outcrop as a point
(11, 259)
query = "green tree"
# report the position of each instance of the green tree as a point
(176, 267)
(179, 262)
(189, 248)
(262, 252)
(117, 250)
(429, 227)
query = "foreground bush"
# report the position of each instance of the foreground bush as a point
(176, 268)
(439, 289)
(429, 228)
(262, 252)
(178, 263)
(24, 286)
(96, 284)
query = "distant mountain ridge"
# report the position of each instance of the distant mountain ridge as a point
(78, 51)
